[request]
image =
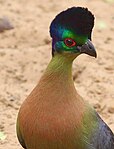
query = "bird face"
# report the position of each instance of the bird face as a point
(67, 41)
(71, 32)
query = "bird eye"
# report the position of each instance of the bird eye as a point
(69, 42)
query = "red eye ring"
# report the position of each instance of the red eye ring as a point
(69, 42)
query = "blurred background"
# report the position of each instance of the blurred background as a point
(25, 52)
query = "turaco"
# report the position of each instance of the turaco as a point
(54, 115)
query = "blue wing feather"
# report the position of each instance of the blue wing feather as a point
(104, 137)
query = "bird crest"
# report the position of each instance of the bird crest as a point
(78, 19)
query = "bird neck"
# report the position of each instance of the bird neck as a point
(57, 80)
(60, 68)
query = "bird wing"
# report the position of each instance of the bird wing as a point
(19, 135)
(104, 137)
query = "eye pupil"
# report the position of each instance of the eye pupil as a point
(70, 42)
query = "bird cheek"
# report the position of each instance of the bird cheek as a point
(58, 47)
(61, 47)
(75, 50)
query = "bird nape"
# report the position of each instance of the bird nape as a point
(54, 115)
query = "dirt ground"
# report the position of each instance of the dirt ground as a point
(25, 52)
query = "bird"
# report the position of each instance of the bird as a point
(54, 115)
(5, 24)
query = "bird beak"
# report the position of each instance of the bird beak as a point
(88, 48)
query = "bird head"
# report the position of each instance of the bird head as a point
(71, 32)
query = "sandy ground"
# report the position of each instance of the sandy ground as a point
(26, 51)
